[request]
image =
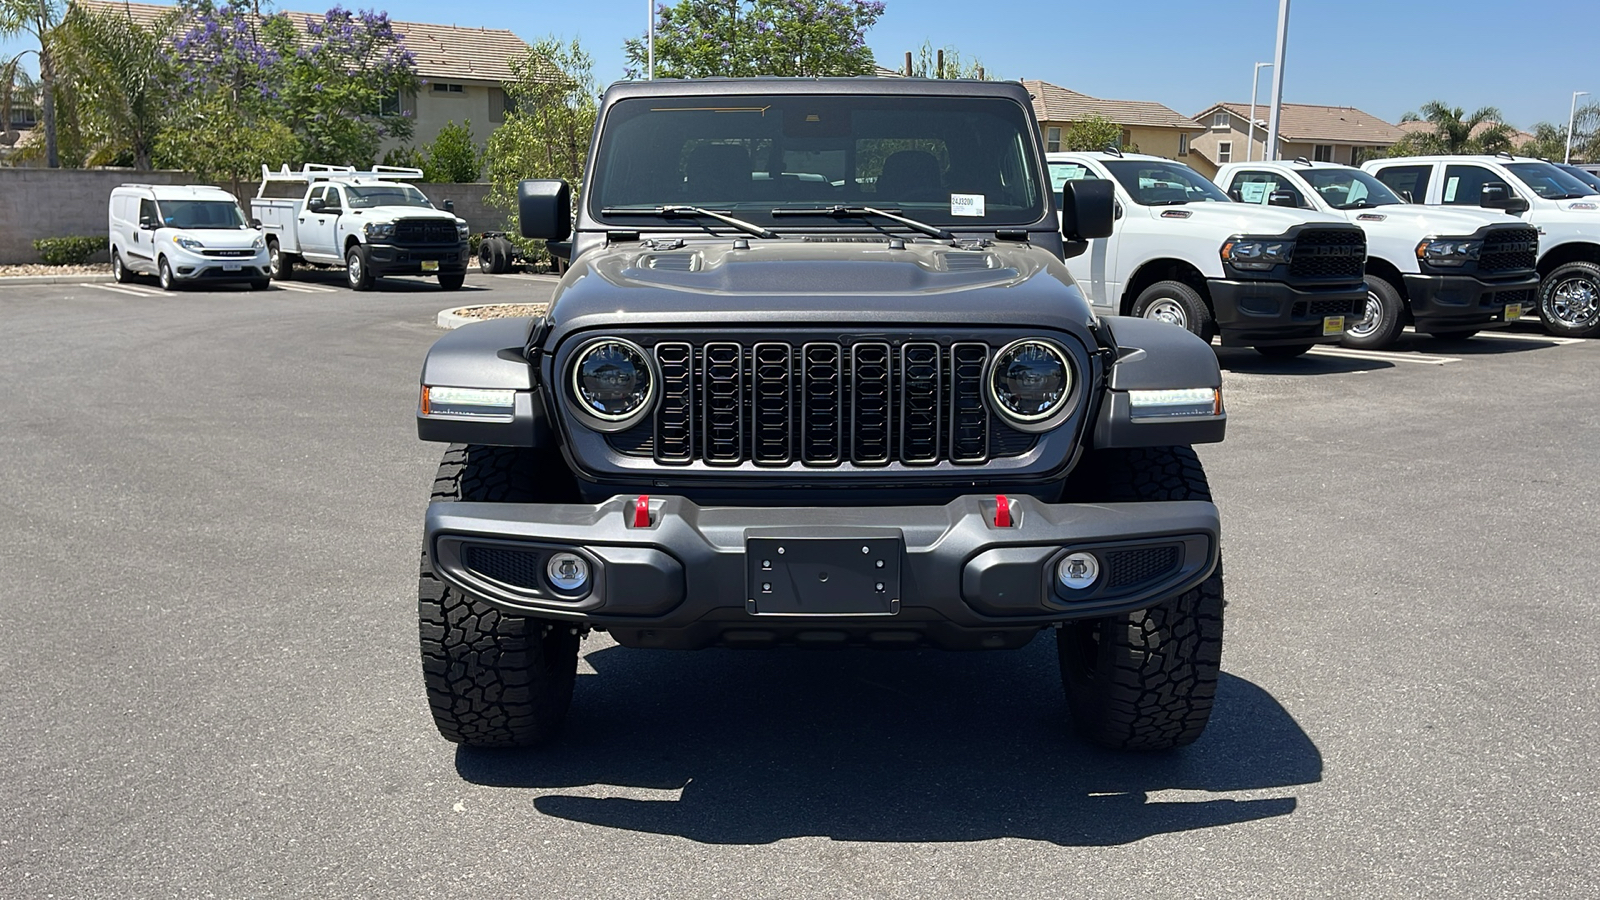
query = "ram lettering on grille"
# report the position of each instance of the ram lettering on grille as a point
(1329, 254)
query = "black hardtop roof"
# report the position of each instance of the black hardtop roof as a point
(862, 85)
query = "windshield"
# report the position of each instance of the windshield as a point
(947, 161)
(1349, 188)
(388, 195)
(1161, 183)
(202, 214)
(1583, 175)
(1548, 181)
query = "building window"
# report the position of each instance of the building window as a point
(1224, 151)
(1183, 145)
(1052, 140)
(1219, 120)
(1126, 140)
(442, 88)
(1358, 155)
(1322, 153)
(392, 105)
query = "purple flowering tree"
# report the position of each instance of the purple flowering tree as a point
(701, 38)
(340, 80)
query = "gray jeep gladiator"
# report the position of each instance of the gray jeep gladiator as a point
(817, 375)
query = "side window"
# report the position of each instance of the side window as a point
(1406, 180)
(1063, 172)
(1258, 187)
(1463, 185)
(147, 210)
(331, 200)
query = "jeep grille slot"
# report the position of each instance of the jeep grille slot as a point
(724, 403)
(872, 403)
(969, 415)
(771, 408)
(821, 391)
(675, 415)
(921, 387)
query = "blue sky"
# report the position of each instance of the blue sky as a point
(1384, 56)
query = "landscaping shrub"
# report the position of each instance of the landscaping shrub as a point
(68, 251)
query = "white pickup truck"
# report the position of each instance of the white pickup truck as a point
(1278, 280)
(368, 222)
(1565, 211)
(1449, 272)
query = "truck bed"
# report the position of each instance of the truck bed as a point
(279, 217)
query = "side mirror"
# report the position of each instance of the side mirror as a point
(256, 224)
(1087, 209)
(1407, 197)
(544, 209)
(147, 223)
(450, 206)
(1282, 198)
(1495, 195)
(316, 205)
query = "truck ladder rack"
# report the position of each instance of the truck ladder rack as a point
(313, 172)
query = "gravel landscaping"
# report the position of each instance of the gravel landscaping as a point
(501, 310)
(41, 269)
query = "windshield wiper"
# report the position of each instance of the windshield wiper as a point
(852, 212)
(678, 211)
(1168, 202)
(1359, 204)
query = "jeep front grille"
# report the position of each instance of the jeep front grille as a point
(1325, 253)
(1509, 250)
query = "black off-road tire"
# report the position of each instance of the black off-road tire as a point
(1178, 303)
(493, 679)
(1390, 317)
(280, 265)
(1583, 277)
(502, 255)
(1284, 351)
(1144, 680)
(452, 281)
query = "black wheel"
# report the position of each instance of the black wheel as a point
(1178, 304)
(260, 284)
(493, 679)
(1144, 680)
(1284, 351)
(280, 265)
(1569, 300)
(164, 273)
(357, 274)
(1382, 321)
(486, 256)
(118, 270)
(1459, 334)
(452, 281)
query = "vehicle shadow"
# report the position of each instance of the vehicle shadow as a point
(403, 284)
(1247, 361)
(751, 748)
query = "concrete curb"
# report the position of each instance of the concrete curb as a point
(11, 280)
(452, 318)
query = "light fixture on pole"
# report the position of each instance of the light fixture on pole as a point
(1572, 119)
(1250, 141)
(1277, 81)
(650, 41)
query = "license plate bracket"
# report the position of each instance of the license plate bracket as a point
(832, 576)
(430, 265)
(232, 267)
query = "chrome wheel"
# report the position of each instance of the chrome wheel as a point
(1168, 311)
(1371, 316)
(353, 268)
(274, 262)
(1574, 301)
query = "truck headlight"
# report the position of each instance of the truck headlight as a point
(613, 383)
(1256, 256)
(468, 403)
(187, 243)
(1030, 382)
(1175, 403)
(462, 231)
(1450, 252)
(379, 231)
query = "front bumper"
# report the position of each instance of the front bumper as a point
(190, 266)
(684, 581)
(404, 259)
(1266, 313)
(1448, 302)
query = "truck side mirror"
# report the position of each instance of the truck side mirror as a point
(1282, 198)
(1495, 195)
(1087, 209)
(450, 206)
(544, 209)
(316, 205)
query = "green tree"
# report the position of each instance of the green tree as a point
(38, 19)
(1549, 142)
(926, 64)
(1454, 132)
(453, 156)
(742, 38)
(221, 141)
(120, 74)
(1093, 133)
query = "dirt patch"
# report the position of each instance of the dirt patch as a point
(502, 310)
(41, 269)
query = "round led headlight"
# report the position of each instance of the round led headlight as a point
(613, 383)
(1030, 382)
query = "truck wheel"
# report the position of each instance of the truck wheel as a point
(164, 273)
(280, 265)
(118, 270)
(1569, 300)
(486, 256)
(452, 281)
(502, 255)
(355, 268)
(1384, 320)
(1284, 351)
(1178, 304)
(1144, 680)
(493, 679)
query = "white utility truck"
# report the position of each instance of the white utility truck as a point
(1448, 272)
(368, 222)
(1565, 211)
(1278, 280)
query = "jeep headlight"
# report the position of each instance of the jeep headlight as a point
(187, 243)
(613, 383)
(1451, 252)
(1030, 382)
(379, 231)
(1256, 256)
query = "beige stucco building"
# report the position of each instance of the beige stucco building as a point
(1146, 125)
(1341, 134)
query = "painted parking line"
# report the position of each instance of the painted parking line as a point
(307, 288)
(1423, 359)
(1518, 336)
(125, 289)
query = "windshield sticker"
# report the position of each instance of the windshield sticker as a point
(1450, 189)
(1253, 192)
(966, 205)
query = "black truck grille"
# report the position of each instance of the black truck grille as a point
(424, 231)
(822, 403)
(1509, 250)
(1329, 253)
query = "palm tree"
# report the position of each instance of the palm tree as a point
(37, 19)
(1454, 132)
(121, 74)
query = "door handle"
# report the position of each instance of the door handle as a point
(302, 221)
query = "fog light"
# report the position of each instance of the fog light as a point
(1078, 572)
(568, 572)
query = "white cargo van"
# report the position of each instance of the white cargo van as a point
(184, 234)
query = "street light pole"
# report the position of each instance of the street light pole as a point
(650, 42)
(1277, 80)
(1572, 119)
(1250, 141)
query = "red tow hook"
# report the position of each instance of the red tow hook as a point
(1002, 511)
(641, 512)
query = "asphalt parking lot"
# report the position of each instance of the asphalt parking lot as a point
(209, 541)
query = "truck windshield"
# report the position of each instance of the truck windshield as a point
(947, 161)
(1152, 182)
(1548, 181)
(1583, 175)
(387, 195)
(1349, 188)
(202, 214)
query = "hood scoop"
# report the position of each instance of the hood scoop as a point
(969, 262)
(843, 239)
(671, 262)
